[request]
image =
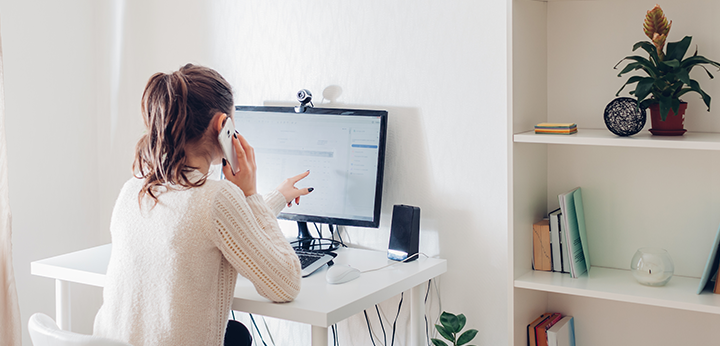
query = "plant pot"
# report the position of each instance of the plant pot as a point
(673, 124)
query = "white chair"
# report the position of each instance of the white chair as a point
(44, 332)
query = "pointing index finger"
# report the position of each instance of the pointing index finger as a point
(300, 176)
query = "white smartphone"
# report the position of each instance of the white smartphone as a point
(225, 137)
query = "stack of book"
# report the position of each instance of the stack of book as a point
(556, 128)
(560, 242)
(551, 329)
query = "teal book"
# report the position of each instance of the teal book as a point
(711, 266)
(573, 222)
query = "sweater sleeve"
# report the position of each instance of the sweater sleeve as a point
(276, 201)
(247, 233)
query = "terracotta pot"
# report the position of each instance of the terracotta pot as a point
(673, 124)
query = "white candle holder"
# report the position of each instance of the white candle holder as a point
(652, 266)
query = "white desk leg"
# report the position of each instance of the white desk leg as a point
(319, 336)
(417, 316)
(62, 304)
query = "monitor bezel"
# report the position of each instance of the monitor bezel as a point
(382, 114)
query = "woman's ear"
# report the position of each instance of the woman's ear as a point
(218, 121)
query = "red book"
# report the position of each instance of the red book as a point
(531, 328)
(541, 329)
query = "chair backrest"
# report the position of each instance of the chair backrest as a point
(44, 332)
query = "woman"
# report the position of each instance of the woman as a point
(180, 239)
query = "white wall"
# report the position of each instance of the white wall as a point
(439, 68)
(50, 75)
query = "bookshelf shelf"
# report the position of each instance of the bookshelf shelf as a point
(603, 137)
(619, 285)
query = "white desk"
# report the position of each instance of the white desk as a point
(318, 304)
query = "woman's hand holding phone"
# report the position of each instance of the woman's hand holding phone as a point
(245, 176)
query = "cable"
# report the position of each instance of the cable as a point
(427, 328)
(319, 230)
(258, 330)
(392, 341)
(382, 325)
(335, 334)
(233, 314)
(337, 228)
(268, 330)
(411, 257)
(367, 320)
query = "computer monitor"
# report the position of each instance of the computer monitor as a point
(344, 149)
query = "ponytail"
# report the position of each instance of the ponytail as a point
(177, 109)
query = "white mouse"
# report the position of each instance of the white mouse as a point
(341, 273)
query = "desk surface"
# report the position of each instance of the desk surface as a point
(318, 304)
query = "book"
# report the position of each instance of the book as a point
(711, 266)
(565, 257)
(555, 240)
(542, 253)
(556, 128)
(541, 329)
(562, 333)
(531, 340)
(573, 222)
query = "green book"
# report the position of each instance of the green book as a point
(573, 221)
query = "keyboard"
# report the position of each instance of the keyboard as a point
(312, 260)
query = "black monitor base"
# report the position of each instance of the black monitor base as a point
(306, 241)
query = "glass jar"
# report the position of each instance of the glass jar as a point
(652, 266)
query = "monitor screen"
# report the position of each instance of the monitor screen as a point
(344, 149)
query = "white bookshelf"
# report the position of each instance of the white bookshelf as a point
(603, 137)
(563, 52)
(619, 285)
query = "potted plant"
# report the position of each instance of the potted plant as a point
(668, 75)
(450, 327)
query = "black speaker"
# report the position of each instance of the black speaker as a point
(404, 233)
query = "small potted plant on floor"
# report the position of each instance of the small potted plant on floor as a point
(668, 75)
(450, 327)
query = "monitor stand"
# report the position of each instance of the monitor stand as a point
(306, 241)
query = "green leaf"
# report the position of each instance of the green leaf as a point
(695, 86)
(449, 321)
(649, 48)
(445, 333)
(684, 76)
(461, 322)
(643, 88)
(668, 66)
(438, 342)
(665, 104)
(643, 64)
(675, 106)
(677, 50)
(690, 62)
(645, 104)
(466, 337)
(708, 72)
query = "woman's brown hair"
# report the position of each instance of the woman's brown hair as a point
(177, 109)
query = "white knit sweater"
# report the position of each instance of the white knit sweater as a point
(173, 268)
